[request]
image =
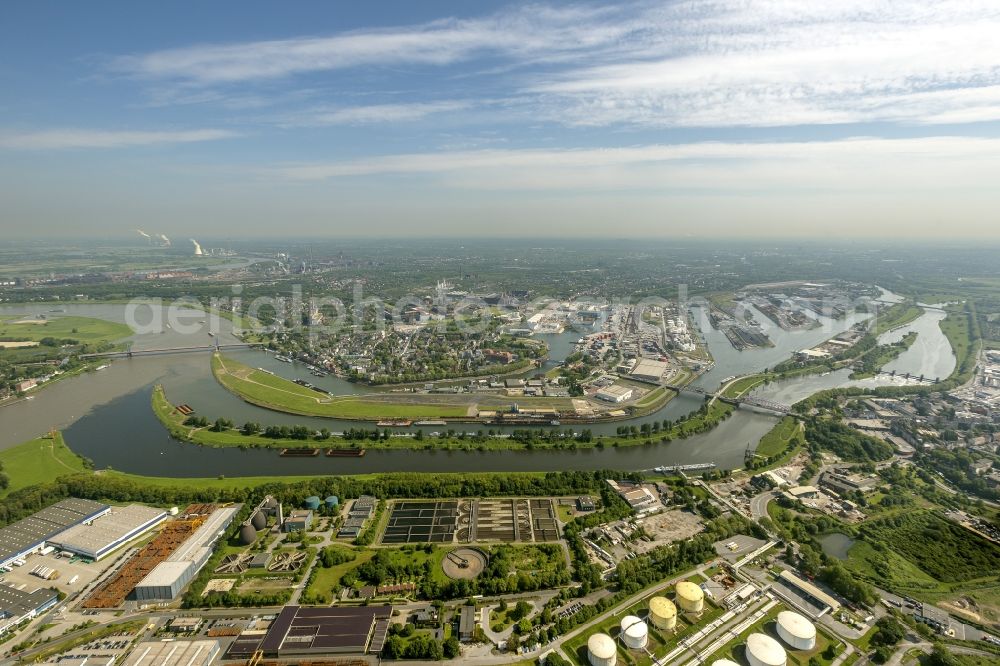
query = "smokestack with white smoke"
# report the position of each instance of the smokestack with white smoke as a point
(166, 241)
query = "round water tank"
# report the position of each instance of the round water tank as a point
(635, 633)
(724, 662)
(662, 613)
(690, 597)
(248, 534)
(762, 650)
(259, 520)
(796, 630)
(601, 650)
(332, 501)
(312, 502)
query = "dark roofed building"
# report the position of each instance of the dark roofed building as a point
(16, 606)
(467, 624)
(334, 630)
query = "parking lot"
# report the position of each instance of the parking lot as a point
(75, 569)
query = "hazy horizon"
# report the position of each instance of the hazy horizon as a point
(674, 120)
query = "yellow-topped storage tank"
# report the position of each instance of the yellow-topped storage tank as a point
(690, 597)
(662, 613)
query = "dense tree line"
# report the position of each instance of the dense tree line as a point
(947, 551)
(846, 442)
(114, 488)
(956, 466)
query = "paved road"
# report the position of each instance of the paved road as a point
(758, 504)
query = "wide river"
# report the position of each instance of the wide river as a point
(106, 416)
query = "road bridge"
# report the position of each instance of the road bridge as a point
(749, 401)
(130, 353)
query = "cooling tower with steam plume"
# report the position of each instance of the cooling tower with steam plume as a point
(197, 248)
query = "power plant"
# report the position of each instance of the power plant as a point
(158, 240)
(197, 248)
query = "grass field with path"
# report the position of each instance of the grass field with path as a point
(37, 461)
(86, 330)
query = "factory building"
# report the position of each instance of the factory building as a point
(28, 535)
(168, 578)
(300, 631)
(614, 393)
(173, 653)
(813, 594)
(649, 370)
(108, 532)
(17, 606)
(299, 520)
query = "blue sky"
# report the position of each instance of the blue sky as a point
(717, 118)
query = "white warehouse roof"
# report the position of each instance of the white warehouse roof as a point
(105, 533)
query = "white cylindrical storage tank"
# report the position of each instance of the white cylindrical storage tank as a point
(601, 650)
(796, 630)
(724, 662)
(690, 597)
(662, 613)
(762, 650)
(635, 633)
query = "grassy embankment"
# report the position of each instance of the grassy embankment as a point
(279, 394)
(896, 316)
(174, 422)
(875, 358)
(86, 334)
(38, 461)
(85, 330)
(778, 439)
(45, 460)
(922, 554)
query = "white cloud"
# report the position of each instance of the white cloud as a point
(60, 139)
(772, 63)
(525, 32)
(849, 165)
(690, 63)
(371, 114)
